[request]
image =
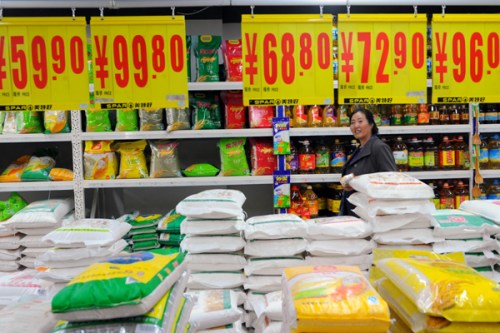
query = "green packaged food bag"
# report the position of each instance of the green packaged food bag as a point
(152, 236)
(98, 121)
(2, 118)
(206, 113)
(28, 122)
(171, 222)
(38, 169)
(233, 157)
(127, 120)
(207, 56)
(200, 170)
(12, 205)
(170, 239)
(143, 221)
(56, 122)
(145, 245)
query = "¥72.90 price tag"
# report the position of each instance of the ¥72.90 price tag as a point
(43, 64)
(287, 59)
(139, 62)
(382, 58)
(465, 58)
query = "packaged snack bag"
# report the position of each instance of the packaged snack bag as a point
(61, 174)
(99, 160)
(164, 159)
(132, 159)
(38, 168)
(126, 120)
(234, 110)
(98, 121)
(28, 122)
(15, 169)
(56, 122)
(200, 170)
(207, 56)
(233, 157)
(12, 205)
(231, 51)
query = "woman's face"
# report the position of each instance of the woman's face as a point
(360, 127)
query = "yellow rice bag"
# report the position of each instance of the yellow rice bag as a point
(419, 322)
(99, 160)
(445, 288)
(332, 299)
(132, 159)
(61, 174)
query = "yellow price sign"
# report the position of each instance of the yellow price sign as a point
(465, 58)
(382, 58)
(287, 59)
(139, 62)
(43, 64)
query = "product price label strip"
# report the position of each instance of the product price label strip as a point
(287, 59)
(382, 58)
(43, 64)
(465, 58)
(139, 62)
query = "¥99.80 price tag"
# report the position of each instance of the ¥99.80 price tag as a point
(465, 58)
(139, 62)
(382, 58)
(287, 59)
(43, 64)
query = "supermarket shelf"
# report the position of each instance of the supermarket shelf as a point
(182, 181)
(10, 138)
(201, 86)
(490, 173)
(320, 131)
(425, 129)
(489, 128)
(440, 174)
(187, 134)
(36, 186)
(321, 178)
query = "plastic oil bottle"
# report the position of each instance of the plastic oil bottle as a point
(462, 160)
(315, 116)
(295, 201)
(446, 155)
(446, 197)
(493, 192)
(299, 116)
(337, 157)
(322, 158)
(292, 159)
(400, 153)
(430, 154)
(312, 202)
(494, 152)
(415, 155)
(307, 158)
(333, 199)
(461, 194)
(352, 148)
(484, 159)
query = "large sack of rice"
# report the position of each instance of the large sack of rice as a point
(391, 185)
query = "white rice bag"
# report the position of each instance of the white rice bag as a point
(215, 280)
(75, 254)
(41, 214)
(5, 230)
(391, 185)
(363, 261)
(35, 241)
(337, 227)
(419, 247)
(391, 222)
(10, 242)
(264, 325)
(61, 275)
(27, 262)
(407, 236)
(34, 251)
(24, 283)
(8, 265)
(465, 245)
(220, 203)
(288, 247)
(270, 305)
(263, 284)
(212, 244)
(231, 225)
(275, 226)
(33, 316)
(271, 265)
(207, 262)
(36, 231)
(10, 255)
(454, 223)
(214, 308)
(340, 247)
(489, 209)
(374, 207)
(88, 233)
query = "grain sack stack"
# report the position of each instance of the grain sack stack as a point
(274, 242)
(398, 207)
(267, 310)
(10, 249)
(169, 229)
(213, 238)
(22, 285)
(141, 291)
(331, 299)
(142, 235)
(339, 240)
(429, 292)
(78, 244)
(35, 221)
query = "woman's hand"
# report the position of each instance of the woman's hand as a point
(344, 181)
(347, 188)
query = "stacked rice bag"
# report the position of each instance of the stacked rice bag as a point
(169, 229)
(22, 285)
(437, 293)
(331, 299)
(78, 244)
(102, 298)
(10, 249)
(398, 207)
(35, 221)
(274, 242)
(143, 236)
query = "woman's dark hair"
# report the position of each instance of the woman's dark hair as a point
(369, 118)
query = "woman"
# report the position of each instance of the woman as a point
(371, 156)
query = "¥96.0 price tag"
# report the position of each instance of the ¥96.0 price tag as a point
(287, 59)
(382, 58)
(43, 64)
(139, 62)
(465, 58)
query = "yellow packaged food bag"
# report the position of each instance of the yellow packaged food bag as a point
(132, 159)
(333, 299)
(56, 121)
(61, 174)
(419, 322)
(445, 288)
(99, 160)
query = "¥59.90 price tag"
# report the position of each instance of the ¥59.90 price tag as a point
(139, 62)
(43, 64)
(287, 59)
(382, 58)
(465, 58)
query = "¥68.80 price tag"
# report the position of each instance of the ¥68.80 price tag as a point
(139, 62)
(382, 58)
(43, 64)
(465, 58)
(287, 59)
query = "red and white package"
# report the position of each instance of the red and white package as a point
(234, 110)
(231, 50)
(260, 116)
(262, 155)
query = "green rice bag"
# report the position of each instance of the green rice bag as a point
(171, 222)
(170, 239)
(123, 286)
(145, 237)
(56, 122)
(200, 170)
(145, 245)
(233, 157)
(2, 118)
(12, 205)
(127, 120)
(28, 122)
(98, 121)
(207, 56)
(145, 230)
(38, 169)
(143, 221)
(206, 113)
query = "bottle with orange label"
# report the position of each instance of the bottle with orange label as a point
(312, 202)
(446, 155)
(446, 197)
(423, 116)
(315, 116)
(307, 158)
(462, 161)
(295, 201)
(329, 116)
(299, 116)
